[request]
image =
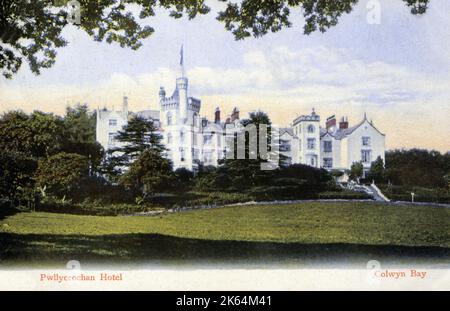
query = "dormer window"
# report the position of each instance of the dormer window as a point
(310, 128)
(112, 122)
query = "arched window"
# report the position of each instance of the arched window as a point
(169, 119)
(310, 128)
(169, 138)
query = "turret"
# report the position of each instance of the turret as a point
(182, 85)
(162, 93)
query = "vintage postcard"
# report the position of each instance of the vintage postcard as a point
(224, 145)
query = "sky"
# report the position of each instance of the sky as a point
(397, 71)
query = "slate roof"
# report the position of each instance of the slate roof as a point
(148, 114)
(343, 133)
(288, 130)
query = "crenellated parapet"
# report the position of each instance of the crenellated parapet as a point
(194, 104)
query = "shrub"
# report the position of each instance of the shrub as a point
(421, 194)
(345, 195)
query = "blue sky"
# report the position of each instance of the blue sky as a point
(397, 71)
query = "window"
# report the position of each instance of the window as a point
(207, 139)
(310, 128)
(327, 146)
(207, 156)
(327, 162)
(311, 143)
(194, 119)
(287, 161)
(195, 154)
(285, 145)
(219, 140)
(111, 138)
(181, 137)
(366, 156)
(182, 155)
(169, 138)
(313, 162)
(194, 139)
(169, 119)
(112, 122)
(366, 141)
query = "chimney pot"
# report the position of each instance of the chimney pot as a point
(344, 123)
(217, 115)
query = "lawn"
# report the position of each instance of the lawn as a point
(331, 230)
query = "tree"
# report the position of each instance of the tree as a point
(79, 128)
(247, 172)
(184, 178)
(149, 174)
(256, 18)
(417, 167)
(16, 171)
(376, 172)
(37, 135)
(447, 180)
(62, 174)
(31, 31)
(356, 171)
(136, 137)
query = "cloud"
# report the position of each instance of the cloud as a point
(284, 83)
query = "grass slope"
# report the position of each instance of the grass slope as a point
(248, 231)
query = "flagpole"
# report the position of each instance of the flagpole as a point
(182, 61)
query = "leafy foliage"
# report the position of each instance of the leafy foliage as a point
(256, 18)
(356, 171)
(247, 173)
(79, 135)
(62, 174)
(417, 167)
(31, 31)
(37, 135)
(376, 172)
(149, 174)
(137, 136)
(16, 170)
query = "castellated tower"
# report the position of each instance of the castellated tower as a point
(181, 123)
(307, 128)
(182, 86)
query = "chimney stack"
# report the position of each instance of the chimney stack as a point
(217, 116)
(344, 123)
(331, 122)
(235, 114)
